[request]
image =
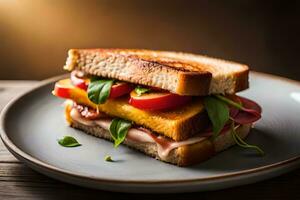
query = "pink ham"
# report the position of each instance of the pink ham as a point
(250, 113)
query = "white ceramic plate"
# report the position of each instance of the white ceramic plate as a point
(32, 123)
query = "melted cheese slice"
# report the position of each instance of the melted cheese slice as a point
(178, 124)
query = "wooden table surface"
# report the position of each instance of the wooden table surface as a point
(17, 181)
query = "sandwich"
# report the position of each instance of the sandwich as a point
(179, 108)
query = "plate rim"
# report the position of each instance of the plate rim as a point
(17, 152)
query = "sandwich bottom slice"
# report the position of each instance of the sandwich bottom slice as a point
(191, 151)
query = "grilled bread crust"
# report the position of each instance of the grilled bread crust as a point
(181, 73)
(181, 156)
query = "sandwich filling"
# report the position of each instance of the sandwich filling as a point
(177, 123)
(135, 134)
(151, 115)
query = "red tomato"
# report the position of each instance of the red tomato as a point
(78, 81)
(120, 89)
(62, 88)
(157, 100)
(117, 90)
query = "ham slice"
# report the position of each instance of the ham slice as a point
(250, 113)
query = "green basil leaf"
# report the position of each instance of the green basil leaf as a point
(108, 158)
(218, 113)
(118, 130)
(98, 90)
(140, 90)
(68, 141)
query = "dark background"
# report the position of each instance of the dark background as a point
(35, 35)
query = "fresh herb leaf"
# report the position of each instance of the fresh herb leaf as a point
(239, 141)
(118, 130)
(218, 113)
(140, 90)
(108, 158)
(68, 141)
(98, 90)
(230, 102)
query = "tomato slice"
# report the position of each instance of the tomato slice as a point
(120, 89)
(79, 81)
(63, 88)
(157, 100)
(117, 90)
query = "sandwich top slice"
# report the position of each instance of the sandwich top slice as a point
(180, 73)
(177, 107)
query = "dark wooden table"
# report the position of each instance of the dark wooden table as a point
(17, 181)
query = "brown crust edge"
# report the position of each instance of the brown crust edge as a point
(242, 81)
(193, 123)
(195, 153)
(189, 83)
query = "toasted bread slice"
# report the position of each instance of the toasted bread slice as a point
(178, 124)
(182, 156)
(180, 73)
